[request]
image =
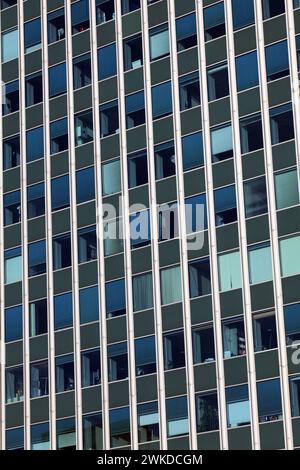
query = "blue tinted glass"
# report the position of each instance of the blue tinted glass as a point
(107, 64)
(186, 26)
(57, 80)
(292, 318)
(32, 33)
(195, 209)
(145, 356)
(12, 198)
(246, 71)
(115, 298)
(63, 311)
(80, 12)
(89, 304)
(192, 151)
(85, 185)
(162, 100)
(39, 435)
(13, 323)
(15, 438)
(242, 12)
(35, 191)
(225, 199)
(135, 102)
(60, 192)
(277, 60)
(140, 228)
(269, 399)
(35, 144)
(37, 258)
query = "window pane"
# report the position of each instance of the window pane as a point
(290, 256)
(148, 422)
(32, 35)
(170, 285)
(186, 32)
(177, 417)
(269, 400)
(159, 42)
(225, 205)
(60, 192)
(10, 45)
(207, 412)
(35, 144)
(221, 143)
(85, 185)
(119, 421)
(243, 13)
(161, 100)
(260, 264)
(66, 434)
(277, 60)
(214, 21)
(286, 187)
(142, 292)
(238, 407)
(115, 298)
(247, 71)
(40, 437)
(111, 178)
(292, 323)
(145, 355)
(89, 304)
(92, 432)
(255, 197)
(13, 323)
(107, 63)
(230, 271)
(12, 265)
(192, 151)
(63, 311)
(64, 366)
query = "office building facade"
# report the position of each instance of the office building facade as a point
(121, 118)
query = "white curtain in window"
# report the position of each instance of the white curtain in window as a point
(290, 256)
(159, 44)
(230, 271)
(287, 191)
(13, 270)
(111, 178)
(260, 265)
(10, 45)
(221, 140)
(142, 292)
(171, 285)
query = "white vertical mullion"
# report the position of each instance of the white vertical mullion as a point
(100, 248)
(251, 369)
(74, 243)
(24, 231)
(154, 230)
(283, 362)
(212, 230)
(182, 232)
(126, 227)
(48, 221)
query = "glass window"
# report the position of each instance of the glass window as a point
(119, 424)
(243, 13)
(230, 271)
(133, 52)
(36, 258)
(277, 60)
(221, 143)
(295, 394)
(109, 118)
(140, 229)
(286, 188)
(177, 416)
(186, 32)
(14, 384)
(161, 100)
(192, 151)
(84, 131)
(207, 412)
(15, 439)
(199, 278)
(290, 256)
(64, 366)
(13, 323)
(165, 161)
(217, 82)
(107, 61)
(255, 193)
(62, 252)
(105, 11)
(65, 434)
(115, 298)
(35, 200)
(56, 25)
(159, 42)
(264, 331)
(225, 205)
(214, 21)
(90, 368)
(237, 406)
(60, 196)
(63, 311)
(260, 263)
(57, 80)
(247, 71)
(38, 317)
(170, 283)
(10, 45)
(112, 234)
(59, 136)
(251, 134)
(35, 144)
(85, 185)
(196, 213)
(142, 292)
(89, 304)
(234, 342)
(34, 89)
(292, 323)
(117, 361)
(87, 244)
(38, 379)
(137, 169)
(111, 177)
(10, 97)
(82, 74)
(168, 221)
(269, 400)
(298, 50)
(80, 16)
(282, 124)
(7, 3)
(12, 265)
(145, 356)
(272, 8)
(148, 422)
(203, 345)
(174, 354)
(296, 3)
(135, 109)
(12, 208)
(40, 437)
(130, 5)
(189, 91)
(11, 152)
(92, 432)
(32, 35)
